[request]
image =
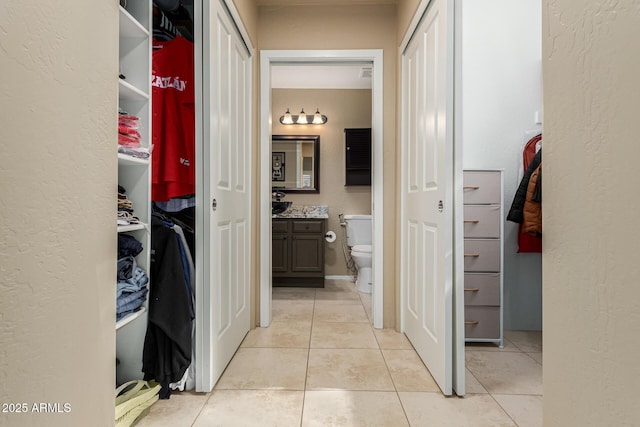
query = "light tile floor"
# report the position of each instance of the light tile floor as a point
(320, 363)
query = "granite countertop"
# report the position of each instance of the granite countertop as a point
(305, 211)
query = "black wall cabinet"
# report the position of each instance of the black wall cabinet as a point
(358, 156)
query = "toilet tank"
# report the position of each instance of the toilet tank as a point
(358, 229)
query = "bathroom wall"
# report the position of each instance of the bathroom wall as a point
(345, 109)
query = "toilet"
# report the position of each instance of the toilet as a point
(359, 240)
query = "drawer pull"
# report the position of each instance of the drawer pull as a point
(471, 289)
(472, 255)
(471, 221)
(471, 187)
(471, 322)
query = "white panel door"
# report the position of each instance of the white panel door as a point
(227, 189)
(427, 191)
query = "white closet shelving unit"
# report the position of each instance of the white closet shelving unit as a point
(134, 174)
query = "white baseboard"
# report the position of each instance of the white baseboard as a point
(340, 277)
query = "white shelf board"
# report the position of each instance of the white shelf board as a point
(131, 227)
(130, 92)
(130, 318)
(126, 160)
(130, 27)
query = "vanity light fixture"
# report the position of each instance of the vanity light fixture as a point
(319, 119)
(286, 119)
(303, 118)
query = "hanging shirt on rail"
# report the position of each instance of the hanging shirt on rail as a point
(173, 133)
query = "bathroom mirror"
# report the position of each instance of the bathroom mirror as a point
(295, 163)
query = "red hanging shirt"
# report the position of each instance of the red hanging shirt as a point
(173, 118)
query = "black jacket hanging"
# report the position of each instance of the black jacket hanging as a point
(517, 206)
(167, 345)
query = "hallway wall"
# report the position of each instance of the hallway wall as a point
(350, 27)
(248, 12)
(58, 180)
(590, 213)
(406, 11)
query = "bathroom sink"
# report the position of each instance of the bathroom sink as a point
(279, 207)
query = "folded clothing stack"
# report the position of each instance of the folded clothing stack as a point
(139, 152)
(125, 208)
(128, 134)
(131, 288)
(129, 137)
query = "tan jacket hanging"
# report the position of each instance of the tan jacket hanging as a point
(532, 211)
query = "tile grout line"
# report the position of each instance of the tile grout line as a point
(210, 394)
(195, 420)
(395, 387)
(492, 395)
(476, 378)
(504, 410)
(306, 372)
(530, 355)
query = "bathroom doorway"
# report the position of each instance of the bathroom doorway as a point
(371, 60)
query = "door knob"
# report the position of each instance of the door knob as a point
(214, 204)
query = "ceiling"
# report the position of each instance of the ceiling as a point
(322, 2)
(321, 76)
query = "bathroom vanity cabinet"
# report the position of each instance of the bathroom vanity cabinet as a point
(298, 252)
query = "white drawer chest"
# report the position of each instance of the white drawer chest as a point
(483, 256)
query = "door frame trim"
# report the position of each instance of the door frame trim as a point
(459, 367)
(267, 59)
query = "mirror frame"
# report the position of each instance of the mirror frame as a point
(316, 162)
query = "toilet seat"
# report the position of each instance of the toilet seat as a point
(362, 249)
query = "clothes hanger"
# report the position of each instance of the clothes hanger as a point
(163, 28)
